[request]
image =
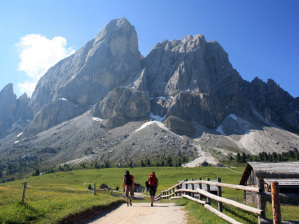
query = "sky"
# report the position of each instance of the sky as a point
(261, 38)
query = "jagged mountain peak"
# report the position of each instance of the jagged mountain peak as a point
(101, 65)
(119, 24)
(120, 35)
(8, 89)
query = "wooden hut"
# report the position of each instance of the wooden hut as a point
(285, 173)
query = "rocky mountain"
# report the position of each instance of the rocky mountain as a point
(106, 102)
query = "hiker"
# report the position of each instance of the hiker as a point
(153, 185)
(128, 185)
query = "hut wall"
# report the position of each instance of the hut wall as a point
(249, 196)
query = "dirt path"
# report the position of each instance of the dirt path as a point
(143, 213)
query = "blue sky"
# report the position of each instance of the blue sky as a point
(260, 37)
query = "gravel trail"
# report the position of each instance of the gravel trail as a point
(143, 213)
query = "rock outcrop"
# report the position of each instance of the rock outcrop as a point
(179, 126)
(8, 105)
(87, 76)
(192, 79)
(275, 104)
(53, 114)
(124, 102)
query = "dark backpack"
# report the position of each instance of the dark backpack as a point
(146, 185)
(128, 180)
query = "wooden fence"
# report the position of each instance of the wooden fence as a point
(186, 189)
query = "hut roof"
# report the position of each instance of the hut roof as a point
(271, 170)
(283, 182)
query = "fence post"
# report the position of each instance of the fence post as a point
(94, 188)
(24, 191)
(208, 190)
(219, 194)
(275, 203)
(186, 186)
(200, 187)
(192, 187)
(181, 187)
(260, 202)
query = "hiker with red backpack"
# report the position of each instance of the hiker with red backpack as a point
(128, 185)
(153, 185)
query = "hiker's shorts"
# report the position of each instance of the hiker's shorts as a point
(152, 190)
(129, 189)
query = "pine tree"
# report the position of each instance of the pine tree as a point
(291, 154)
(148, 162)
(169, 161)
(243, 157)
(131, 164)
(37, 172)
(261, 158)
(238, 157)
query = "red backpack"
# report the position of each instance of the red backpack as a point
(152, 180)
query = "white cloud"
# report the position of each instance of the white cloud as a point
(37, 55)
(27, 87)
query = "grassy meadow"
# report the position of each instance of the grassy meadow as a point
(52, 197)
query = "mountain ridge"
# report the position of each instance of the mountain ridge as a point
(92, 102)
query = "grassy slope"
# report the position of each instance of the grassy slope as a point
(52, 197)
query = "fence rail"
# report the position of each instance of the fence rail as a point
(177, 191)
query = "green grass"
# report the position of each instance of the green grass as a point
(53, 197)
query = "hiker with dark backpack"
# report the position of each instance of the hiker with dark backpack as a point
(128, 185)
(153, 185)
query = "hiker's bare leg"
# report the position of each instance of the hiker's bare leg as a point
(152, 200)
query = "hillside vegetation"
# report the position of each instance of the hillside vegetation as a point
(53, 197)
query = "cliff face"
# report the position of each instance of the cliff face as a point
(87, 76)
(192, 79)
(107, 89)
(275, 104)
(7, 108)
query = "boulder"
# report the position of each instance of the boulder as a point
(179, 126)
